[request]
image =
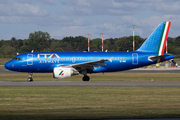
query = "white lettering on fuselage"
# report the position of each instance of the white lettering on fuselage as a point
(48, 58)
(123, 60)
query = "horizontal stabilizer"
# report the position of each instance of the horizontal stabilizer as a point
(158, 58)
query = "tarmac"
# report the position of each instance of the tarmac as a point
(94, 83)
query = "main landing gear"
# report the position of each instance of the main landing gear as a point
(30, 79)
(85, 78)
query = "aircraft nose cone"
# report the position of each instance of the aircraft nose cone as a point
(8, 65)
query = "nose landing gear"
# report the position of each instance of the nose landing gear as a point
(30, 79)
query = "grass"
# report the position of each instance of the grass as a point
(119, 76)
(89, 102)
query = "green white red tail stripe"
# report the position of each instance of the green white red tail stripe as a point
(163, 40)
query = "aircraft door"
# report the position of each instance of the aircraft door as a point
(134, 58)
(29, 59)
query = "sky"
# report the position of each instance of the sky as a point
(64, 18)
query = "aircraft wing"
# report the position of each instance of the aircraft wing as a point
(89, 65)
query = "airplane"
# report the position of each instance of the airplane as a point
(67, 64)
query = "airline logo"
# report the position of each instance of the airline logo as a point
(163, 40)
(61, 73)
(48, 56)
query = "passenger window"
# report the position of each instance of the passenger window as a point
(19, 58)
(15, 58)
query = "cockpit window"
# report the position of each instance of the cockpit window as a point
(16, 58)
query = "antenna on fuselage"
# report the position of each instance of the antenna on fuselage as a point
(32, 51)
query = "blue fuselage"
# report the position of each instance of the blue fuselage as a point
(46, 61)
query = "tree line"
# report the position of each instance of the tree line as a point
(42, 42)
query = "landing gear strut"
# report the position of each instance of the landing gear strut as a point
(86, 78)
(30, 79)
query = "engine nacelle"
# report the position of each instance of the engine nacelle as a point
(63, 72)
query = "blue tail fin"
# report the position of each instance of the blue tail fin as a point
(157, 40)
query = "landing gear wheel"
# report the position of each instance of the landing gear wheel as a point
(30, 79)
(86, 78)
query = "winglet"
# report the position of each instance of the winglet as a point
(110, 59)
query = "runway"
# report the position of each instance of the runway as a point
(95, 83)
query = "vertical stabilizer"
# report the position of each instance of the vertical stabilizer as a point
(157, 40)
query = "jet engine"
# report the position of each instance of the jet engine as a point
(63, 72)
